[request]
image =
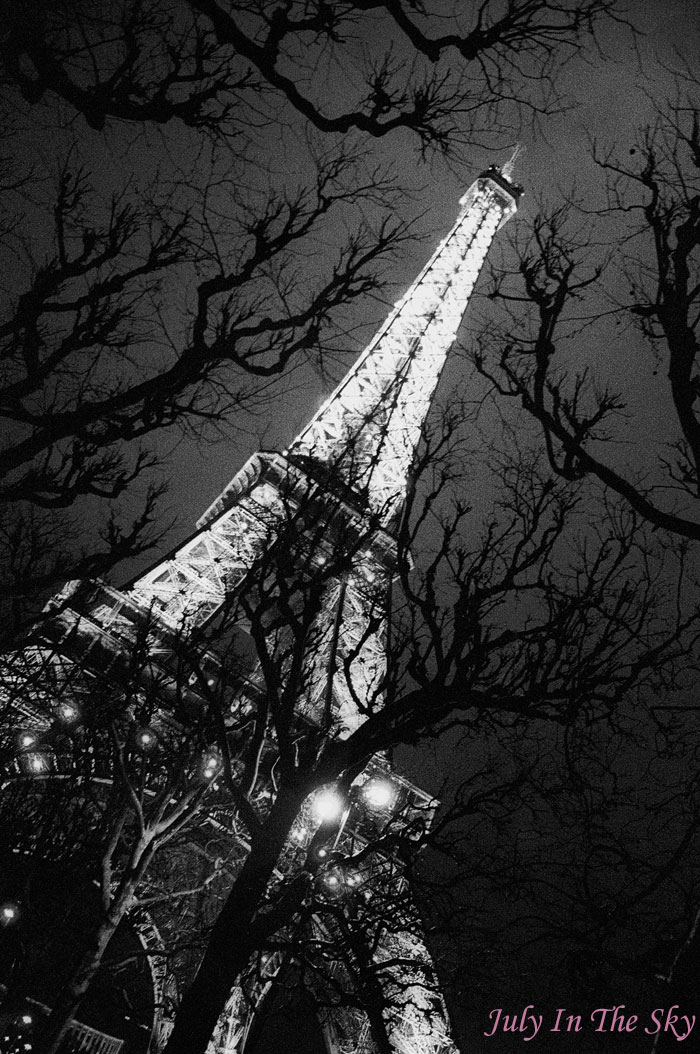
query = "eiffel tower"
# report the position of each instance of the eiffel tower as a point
(352, 463)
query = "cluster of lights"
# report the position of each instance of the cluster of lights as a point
(18, 1039)
(32, 759)
(37, 761)
(211, 766)
(328, 804)
(337, 881)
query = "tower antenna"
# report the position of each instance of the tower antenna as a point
(507, 169)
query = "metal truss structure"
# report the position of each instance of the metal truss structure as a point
(359, 447)
(351, 463)
(365, 435)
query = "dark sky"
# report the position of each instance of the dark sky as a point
(609, 94)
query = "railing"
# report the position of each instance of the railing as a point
(80, 1038)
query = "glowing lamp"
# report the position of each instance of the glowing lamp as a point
(379, 794)
(211, 764)
(145, 738)
(328, 805)
(9, 913)
(333, 882)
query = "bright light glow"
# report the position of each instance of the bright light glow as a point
(145, 738)
(211, 765)
(332, 880)
(37, 764)
(26, 1019)
(68, 712)
(323, 853)
(379, 794)
(9, 913)
(27, 740)
(328, 805)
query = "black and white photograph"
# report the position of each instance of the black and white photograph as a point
(349, 526)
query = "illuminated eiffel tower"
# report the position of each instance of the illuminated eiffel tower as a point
(357, 450)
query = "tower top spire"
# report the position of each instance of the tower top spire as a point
(367, 431)
(509, 166)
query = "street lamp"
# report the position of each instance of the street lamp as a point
(328, 805)
(379, 793)
(68, 713)
(9, 913)
(145, 738)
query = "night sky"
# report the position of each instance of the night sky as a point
(608, 95)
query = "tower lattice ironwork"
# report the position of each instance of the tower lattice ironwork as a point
(358, 448)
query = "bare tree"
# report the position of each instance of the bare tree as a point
(534, 617)
(529, 622)
(93, 368)
(632, 287)
(568, 866)
(451, 80)
(102, 775)
(143, 311)
(533, 621)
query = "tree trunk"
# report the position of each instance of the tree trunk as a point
(65, 1008)
(233, 938)
(73, 992)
